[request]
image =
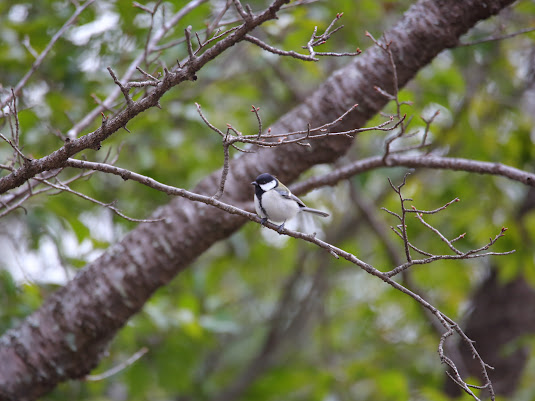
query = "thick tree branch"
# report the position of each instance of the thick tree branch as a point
(434, 162)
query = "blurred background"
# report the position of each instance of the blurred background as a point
(264, 318)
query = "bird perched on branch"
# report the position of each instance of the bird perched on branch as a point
(274, 202)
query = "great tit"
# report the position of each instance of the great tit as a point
(274, 202)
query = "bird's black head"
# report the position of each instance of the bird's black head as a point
(264, 179)
(264, 182)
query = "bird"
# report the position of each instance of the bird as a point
(274, 202)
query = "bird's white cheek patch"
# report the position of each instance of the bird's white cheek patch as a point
(268, 185)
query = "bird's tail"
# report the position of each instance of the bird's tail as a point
(314, 211)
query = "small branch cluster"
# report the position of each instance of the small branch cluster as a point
(50, 182)
(386, 46)
(315, 41)
(401, 231)
(270, 140)
(453, 328)
(23, 172)
(450, 326)
(18, 158)
(46, 181)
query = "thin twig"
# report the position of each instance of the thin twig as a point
(438, 233)
(124, 89)
(224, 171)
(187, 34)
(65, 188)
(118, 368)
(497, 37)
(317, 40)
(217, 20)
(255, 111)
(279, 52)
(15, 148)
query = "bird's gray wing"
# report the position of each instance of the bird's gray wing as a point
(285, 193)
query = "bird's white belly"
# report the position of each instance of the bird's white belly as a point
(277, 208)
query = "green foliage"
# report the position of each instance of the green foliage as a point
(17, 301)
(361, 340)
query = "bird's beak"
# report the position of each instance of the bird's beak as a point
(253, 183)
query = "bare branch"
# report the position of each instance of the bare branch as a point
(217, 20)
(424, 161)
(430, 257)
(212, 127)
(151, 27)
(437, 232)
(317, 40)
(15, 147)
(497, 37)
(418, 211)
(255, 111)
(246, 15)
(385, 46)
(65, 188)
(26, 43)
(386, 277)
(403, 226)
(270, 140)
(187, 34)
(279, 52)
(123, 88)
(428, 123)
(147, 75)
(118, 368)
(225, 170)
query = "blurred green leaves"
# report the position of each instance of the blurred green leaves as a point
(361, 340)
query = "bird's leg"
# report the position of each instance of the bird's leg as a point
(280, 229)
(263, 221)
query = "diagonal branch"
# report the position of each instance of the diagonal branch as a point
(434, 162)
